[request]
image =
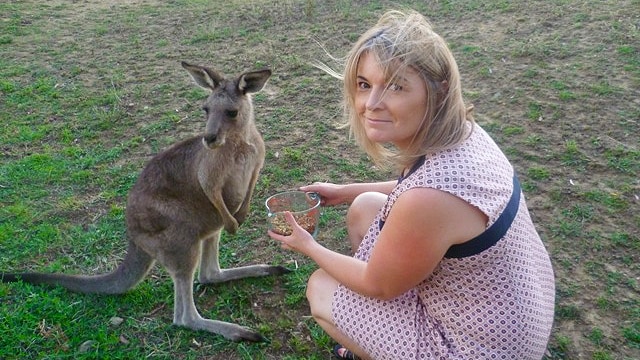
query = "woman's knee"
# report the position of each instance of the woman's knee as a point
(320, 289)
(361, 213)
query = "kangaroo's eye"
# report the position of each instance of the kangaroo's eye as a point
(206, 109)
(231, 113)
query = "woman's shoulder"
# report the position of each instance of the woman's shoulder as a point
(476, 171)
(439, 213)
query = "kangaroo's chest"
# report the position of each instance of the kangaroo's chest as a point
(240, 174)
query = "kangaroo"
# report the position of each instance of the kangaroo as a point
(184, 197)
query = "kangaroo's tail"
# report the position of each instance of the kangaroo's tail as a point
(129, 273)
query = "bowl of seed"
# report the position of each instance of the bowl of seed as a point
(304, 206)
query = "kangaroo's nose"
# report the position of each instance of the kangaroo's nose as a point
(210, 138)
(212, 141)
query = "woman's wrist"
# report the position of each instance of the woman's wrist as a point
(348, 192)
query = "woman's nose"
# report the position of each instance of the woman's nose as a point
(375, 99)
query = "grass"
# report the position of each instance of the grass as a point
(90, 90)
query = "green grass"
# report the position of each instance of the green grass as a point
(89, 91)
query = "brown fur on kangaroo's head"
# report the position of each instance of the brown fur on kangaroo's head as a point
(228, 106)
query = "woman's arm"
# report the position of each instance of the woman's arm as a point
(420, 228)
(336, 194)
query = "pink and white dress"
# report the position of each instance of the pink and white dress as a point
(480, 302)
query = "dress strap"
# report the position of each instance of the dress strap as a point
(494, 233)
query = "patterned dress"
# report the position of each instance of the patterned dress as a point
(497, 303)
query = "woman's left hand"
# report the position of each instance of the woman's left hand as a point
(299, 240)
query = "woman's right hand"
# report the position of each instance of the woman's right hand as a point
(330, 194)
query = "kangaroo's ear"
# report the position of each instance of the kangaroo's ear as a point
(253, 81)
(204, 77)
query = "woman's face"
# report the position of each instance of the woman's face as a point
(390, 112)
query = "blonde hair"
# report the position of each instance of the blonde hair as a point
(400, 40)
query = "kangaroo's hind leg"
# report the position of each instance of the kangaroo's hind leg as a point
(181, 261)
(211, 273)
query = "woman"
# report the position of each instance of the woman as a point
(448, 262)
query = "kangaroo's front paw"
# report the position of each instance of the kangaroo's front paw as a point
(240, 218)
(231, 226)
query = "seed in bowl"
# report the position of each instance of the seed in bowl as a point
(280, 226)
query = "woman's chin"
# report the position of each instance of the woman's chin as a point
(377, 135)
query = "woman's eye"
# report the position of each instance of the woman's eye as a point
(363, 85)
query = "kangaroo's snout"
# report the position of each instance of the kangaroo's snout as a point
(212, 141)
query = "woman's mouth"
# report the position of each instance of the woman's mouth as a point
(374, 121)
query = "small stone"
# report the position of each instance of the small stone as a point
(86, 346)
